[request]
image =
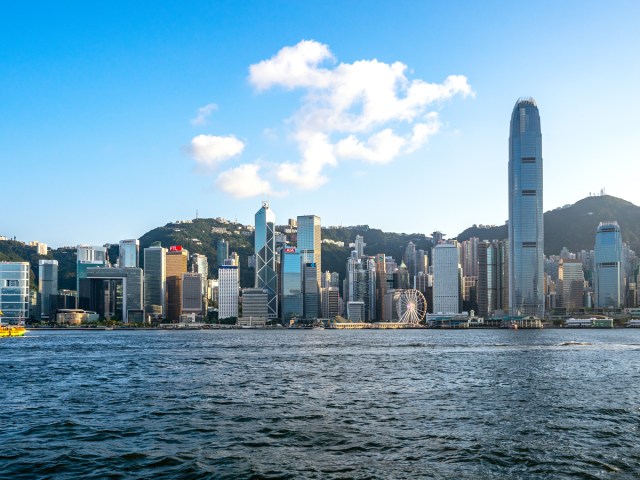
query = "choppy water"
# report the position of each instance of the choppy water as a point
(321, 404)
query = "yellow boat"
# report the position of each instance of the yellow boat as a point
(12, 331)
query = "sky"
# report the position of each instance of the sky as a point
(118, 117)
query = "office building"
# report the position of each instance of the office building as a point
(14, 292)
(89, 257)
(355, 311)
(129, 253)
(571, 279)
(176, 264)
(309, 242)
(193, 284)
(608, 278)
(155, 282)
(330, 302)
(292, 304)
(223, 252)
(446, 278)
(114, 293)
(228, 291)
(254, 303)
(526, 233)
(47, 288)
(265, 247)
(487, 279)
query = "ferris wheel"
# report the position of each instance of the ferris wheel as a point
(411, 307)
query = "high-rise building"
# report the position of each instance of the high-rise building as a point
(228, 290)
(411, 260)
(89, 257)
(14, 292)
(129, 253)
(47, 288)
(292, 304)
(223, 251)
(115, 292)
(265, 246)
(571, 277)
(358, 245)
(309, 245)
(330, 302)
(311, 290)
(446, 278)
(254, 303)
(155, 282)
(487, 279)
(526, 234)
(176, 260)
(608, 278)
(193, 284)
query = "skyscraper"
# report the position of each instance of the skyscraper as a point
(14, 292)
(265, 246)
(292, 296)
(155, 283)
(608, 275)
(309, 246)
(446, 278)
(47, 287)
(228, 291)
(88, 257)
(526, 231)
(223, 251)
(176, 261)
(129, 253)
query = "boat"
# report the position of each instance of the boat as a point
(12, 331)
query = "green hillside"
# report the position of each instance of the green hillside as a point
(575, 226)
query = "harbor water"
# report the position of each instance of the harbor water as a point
(464, 404)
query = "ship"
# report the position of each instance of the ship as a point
(12, 331)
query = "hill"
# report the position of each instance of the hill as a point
(574, 226)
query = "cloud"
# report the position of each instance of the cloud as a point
(367, 110)
(243, 181)
(209, 150)
(203, 114)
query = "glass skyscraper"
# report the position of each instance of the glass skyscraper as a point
(14, 292)
(265, 245)
(292, 296)
(526, 231)
(608, 274)
(309, 245)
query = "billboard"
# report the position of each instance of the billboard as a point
(175, 248)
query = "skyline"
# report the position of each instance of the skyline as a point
(109, 108)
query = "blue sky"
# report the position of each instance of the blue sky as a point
(99, 107)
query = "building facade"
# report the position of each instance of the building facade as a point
(155, 283)
(129, 253)
(47, 288)
(228, 291)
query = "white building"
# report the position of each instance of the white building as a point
(446, 279)
(228, 290)
(14, 292)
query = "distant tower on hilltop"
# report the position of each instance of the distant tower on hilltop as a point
(526, 234)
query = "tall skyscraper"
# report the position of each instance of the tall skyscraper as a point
(292, 296)
(192, 297)
(129, 253)
(177, 259)
(446, 278)
(47, 287)
(309, 246)
(228, 291)
(265, 246)
(526, 230)
(155, 283)
(608, 278)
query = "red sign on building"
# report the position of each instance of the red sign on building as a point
(175, 248)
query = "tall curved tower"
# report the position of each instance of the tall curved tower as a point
(526, 230)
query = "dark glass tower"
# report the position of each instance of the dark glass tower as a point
(526, 231)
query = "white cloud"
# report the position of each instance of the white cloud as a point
(243, 181)
(203, 114)
(209, 150)
(366, 110)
